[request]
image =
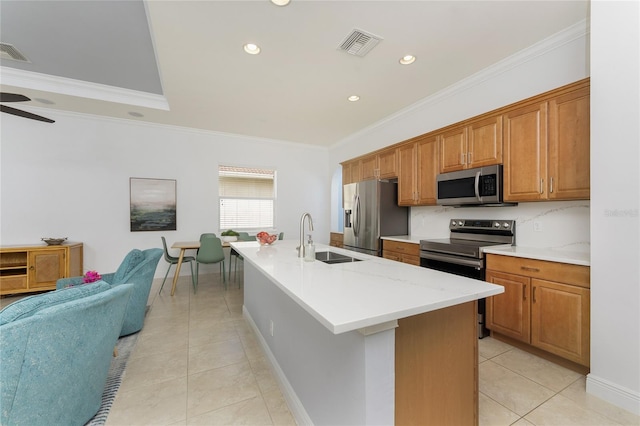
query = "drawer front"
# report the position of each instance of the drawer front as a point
(18, 282)
(391, 255)
(403, 248)
(411, 259)
(542, 269)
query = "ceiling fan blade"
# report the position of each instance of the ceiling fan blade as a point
(13, 97)
(25, 114)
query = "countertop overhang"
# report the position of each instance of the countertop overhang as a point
(357, 295)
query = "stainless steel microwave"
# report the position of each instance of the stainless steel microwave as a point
(481, 186)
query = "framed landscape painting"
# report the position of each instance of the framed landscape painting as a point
(153, 204)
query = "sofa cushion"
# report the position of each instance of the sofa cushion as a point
(131, 260)
(28, 306)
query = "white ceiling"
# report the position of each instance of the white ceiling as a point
(296, 89)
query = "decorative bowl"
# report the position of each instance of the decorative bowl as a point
(266, 239)
(229, 239)
(54, 241)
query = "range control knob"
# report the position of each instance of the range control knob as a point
(453, 223)
(505, 225)
(496, 224)
(460, 223)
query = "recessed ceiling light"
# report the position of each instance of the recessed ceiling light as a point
(135, 114)
(353, 98)
(251, 49)
(408, 59)
(280, 2)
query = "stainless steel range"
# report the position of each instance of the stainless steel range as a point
(462, 253)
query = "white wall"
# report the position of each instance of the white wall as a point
(71, 179)
(615, 203)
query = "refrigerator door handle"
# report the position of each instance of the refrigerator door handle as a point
(356, 219)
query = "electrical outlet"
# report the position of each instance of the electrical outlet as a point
(271, 327)
(537, 226)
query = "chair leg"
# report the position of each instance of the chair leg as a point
(165, 277)
(192, 277)
(224, 280)
(195, 283)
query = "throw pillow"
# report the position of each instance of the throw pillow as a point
(28, 306)
(130, 262)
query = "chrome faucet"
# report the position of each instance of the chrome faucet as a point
(301, 246)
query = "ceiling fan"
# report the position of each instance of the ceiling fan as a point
(14, 97)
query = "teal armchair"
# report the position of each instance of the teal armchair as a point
(56, 350)
(137, 268)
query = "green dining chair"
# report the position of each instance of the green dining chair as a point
(243, 236)
(173, 260)
(210, 252)
(281, 236)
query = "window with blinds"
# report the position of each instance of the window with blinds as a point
(247, 198)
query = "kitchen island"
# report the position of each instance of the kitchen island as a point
(367, 342)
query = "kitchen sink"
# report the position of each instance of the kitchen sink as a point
(332, 257)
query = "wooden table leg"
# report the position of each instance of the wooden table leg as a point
(175, 277)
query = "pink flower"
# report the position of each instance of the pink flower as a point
(91, 276)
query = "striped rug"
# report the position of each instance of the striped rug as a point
(125, 347)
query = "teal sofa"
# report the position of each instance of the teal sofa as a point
(55, 352)
(137, 268)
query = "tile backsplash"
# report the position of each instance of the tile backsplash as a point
(560, 225)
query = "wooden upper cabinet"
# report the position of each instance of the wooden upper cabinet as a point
(351, 172)
(427, 171)
(369, 167)
(453, 150)
(525, 153)
(417, 171)
(484, 143)
(381, 165)
(475, 144)
(569, 165)
(407, 174)
(547, 149)
(388, 164)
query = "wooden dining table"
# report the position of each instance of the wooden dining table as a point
(184, 246)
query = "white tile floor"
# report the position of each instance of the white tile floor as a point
(197, 362)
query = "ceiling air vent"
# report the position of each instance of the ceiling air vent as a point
(8, 51)
(359, 42)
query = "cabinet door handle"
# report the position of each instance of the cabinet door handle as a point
(551, 185)
(542, 186)
(529, 268)
(524, 292)
(31, 268)
(462, 158)
(534, 294)
(469, 156)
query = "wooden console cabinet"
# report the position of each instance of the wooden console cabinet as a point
(544, 304)
(27, 269)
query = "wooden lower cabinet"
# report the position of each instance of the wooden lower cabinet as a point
(26, 269)
(336, 239)
(545, 305)
(401, 252)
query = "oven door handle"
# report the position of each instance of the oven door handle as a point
(475, 263)
(477, 186)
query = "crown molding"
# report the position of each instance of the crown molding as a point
(83, 89)
(569, 34)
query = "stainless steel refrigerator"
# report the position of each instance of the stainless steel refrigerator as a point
(371, 211)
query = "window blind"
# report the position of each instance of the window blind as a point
(247, 197)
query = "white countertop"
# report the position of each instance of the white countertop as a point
(552, 255)
(351, 296)
(405, 238)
